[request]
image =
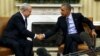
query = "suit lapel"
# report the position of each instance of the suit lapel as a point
(75, 19)
(64, 23)
(21, 18)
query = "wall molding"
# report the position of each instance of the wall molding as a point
(48, 5)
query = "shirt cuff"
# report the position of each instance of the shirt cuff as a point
(44, 35)
(35, 36)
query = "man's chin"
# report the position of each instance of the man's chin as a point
(27, 16)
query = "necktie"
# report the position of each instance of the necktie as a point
(67, 21)
(26, 23)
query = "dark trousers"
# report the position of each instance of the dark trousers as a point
(21, 47)
(71, 43)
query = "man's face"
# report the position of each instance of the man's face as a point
(28, 12)
(65, 11)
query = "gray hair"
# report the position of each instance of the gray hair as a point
(67, 5)
(24, 6)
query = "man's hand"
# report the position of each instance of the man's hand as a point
(94, 34)
(39, 36)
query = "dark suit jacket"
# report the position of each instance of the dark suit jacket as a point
(61, 24)
(16, 28)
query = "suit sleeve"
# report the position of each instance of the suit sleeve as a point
(87, 21)
(53, 31)
(21, 27)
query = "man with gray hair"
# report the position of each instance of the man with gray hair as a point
(16, 33)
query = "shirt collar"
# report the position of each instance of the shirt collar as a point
(70, 16)
(22, 15)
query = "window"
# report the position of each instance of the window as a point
(49, 1)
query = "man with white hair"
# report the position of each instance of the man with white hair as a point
(16, 33)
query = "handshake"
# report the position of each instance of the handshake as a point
(40, 36)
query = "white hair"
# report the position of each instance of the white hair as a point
(24, 6)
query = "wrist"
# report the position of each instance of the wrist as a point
(35, 36)
(44, 35)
